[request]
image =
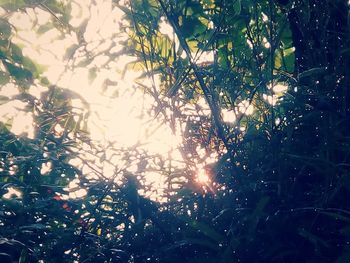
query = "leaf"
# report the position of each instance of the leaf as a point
(223, 57)
(192, 26)
(34, 227)
(126, 10)
(207, 230)
(221, 163)
(237, 7)
(85, 62)
(257, 213)
(4, 78)
(24, 254)
(56, 7)
(70, 51)
(305, 12)
(289, 59)
(44, 28)
(193, 45)
(312, 72)
(278, 60)
(261, 205)
(227, 212)
(5, 29)
(18, 73)
(92, 74)
(35, 68)
(227, 255)
(315, 240)
(11, 242)
(44, 81)
(3, 99)
(12, 5)
(16, 53)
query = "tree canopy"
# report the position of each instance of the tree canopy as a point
(257, 92)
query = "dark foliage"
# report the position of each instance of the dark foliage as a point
(280, 188)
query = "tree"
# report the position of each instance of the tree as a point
(284, 163)
(258, 91)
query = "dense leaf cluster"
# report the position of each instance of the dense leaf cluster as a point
(279, 188)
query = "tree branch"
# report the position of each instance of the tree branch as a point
(215, 110)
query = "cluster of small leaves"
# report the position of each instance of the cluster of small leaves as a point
(36, 221)
(280, 187)
(282, 178)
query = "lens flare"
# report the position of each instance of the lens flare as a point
(202, 177)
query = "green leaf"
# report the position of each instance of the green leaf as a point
(5, 29)
(16, 53)
(44, 28)
(315, 240)
(35, 68)
(92, 74)
(12, 5)
(305, 12)
(4, 78)
(286, 37)
(261, 206)
(85, 62)
(126, 10)
(257, 214)
(56, 7)
(227, 255)
(221, 163)
(278, 60)
(207, 230)
(174, 89)
(24, 254)
(4, 99)
(312, 72)
(192, 26)
(193, 8)
(289, 59)
(44, 81)
(11, 242)
(70, 51)
(34, 227)
(193, 45)
(20, 74)
(237, 7)
(223, 57)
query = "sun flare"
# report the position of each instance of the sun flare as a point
(202, 177)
